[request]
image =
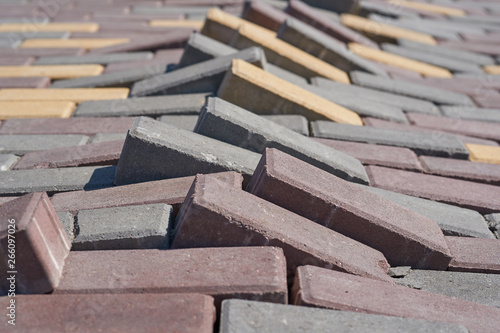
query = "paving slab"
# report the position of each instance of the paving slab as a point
(22, 144)
(484, 154)
(256, 90)
(68, 95)
(187, 123)
(40, 52)
(123, 78)
(229, 123)
(493, 221)
(479, 197)
(102, 59)
(371, 154)
(489, 99)
(453, 65)
(474, 255)
(16, 182)
(474, 287)
(52, 26)
(422, 144)
(24, 82)
(252, 317)
(230, 220)
(53, 71)
(167, 56)
(407, 104)
(295, 123)
(264, 14)
(190, 313)
(105, 153)
(404, 237)
(415, 90)
(106, 137)
(154, 150)
(204, 77)
(201, 48)
(68, 222)
(123, 228)
(184, 104)
(257, 273)
(168, 191)
(473, 171)
(453, 221)
(40, 245)
(84, 126)
(325, 47)
(312, 287)
(334, 28)
(86, 43)
(7, 161)
(36, 109)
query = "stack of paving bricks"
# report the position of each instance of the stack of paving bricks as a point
(250, 166)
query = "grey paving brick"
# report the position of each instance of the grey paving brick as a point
(9, 43)
(120, 228)
(184, 104)
(294, 122)
(7, 161)
(68, 222)
(444, 145)
(466, 56)
(447, 62)
(361, 106)
(407, 104)
(472, 113)
(104, 137)
(334, 6)
(229, 123)
(258, 317)
(371, 7)
(22, 144)
(493, 221)
(201, 77)
(415, 90)
(34, 35)
(187, 123)
(476, 287)
(116, 79)
(325, 47)
(152, 10)
(102, 59)
(154, 150)
(201, 48)
(286, 75)
(454, 221)
(15, 182)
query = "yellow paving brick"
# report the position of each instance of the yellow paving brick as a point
(54, 72)
(385, 30)
(177, 24)
(72, 95)
(35, 109)
(54, 26)
(255, 89)
(399, 61)
(289, 57)
(484, 154)
(493, 69)
(429, 7)
(222, 26)
(86, 43)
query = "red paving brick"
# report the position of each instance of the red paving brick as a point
(474, 255)
(481, 197)
(323, 288)
(25, 82)
(232, 217)
(404, 237)
(190, 313)
(41, 245)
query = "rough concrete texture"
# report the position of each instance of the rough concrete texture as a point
(472, 113)
(257, 317)
(155, 150)
(493, 221)
(22, 144)
(229, 123)
(7, 161)
(85, 126)
(439, 145)
(68, 222)
(129, 227)
(313, 287)
(474, 287)
(231, 220)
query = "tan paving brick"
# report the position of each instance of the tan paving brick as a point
(87, 43)
(36, 109)
(73, 95)
(53, 72)
(484, 154)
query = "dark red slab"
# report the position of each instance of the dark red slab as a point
(479, 47)
(476, 255)
(16, 61)
(40, 52)
(488, 100)
(24, 82)
(264, 15)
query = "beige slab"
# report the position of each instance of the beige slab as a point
(53, 26)
(86, 43)
(385, 30)
(399, 61)
(35, 109)
(484, 154)
(247, 85)
(493, 69)
(54, 72)
(429, 7)
(177, 24)
(72, 95)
